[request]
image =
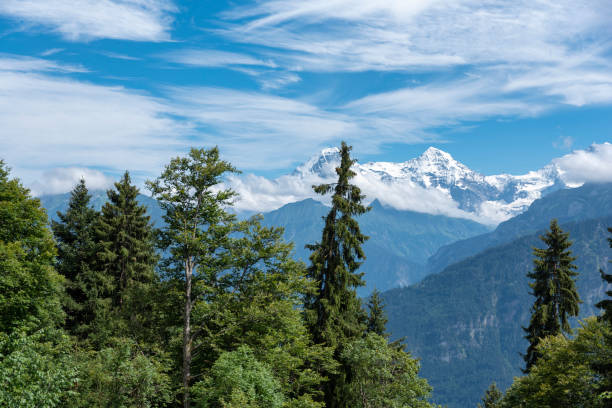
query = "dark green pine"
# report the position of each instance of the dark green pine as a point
(377, 317)
(606, 304)
(76, 246)
(126, 254)
(554, 289)
(333, 312)
(492, 398)
(604, 367)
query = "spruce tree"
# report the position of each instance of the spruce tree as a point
(333, 312)
(554, 289)
(126, 253)
(492, 398)
(195, 235)
(377, 317)
(606, 304)
(87, 291)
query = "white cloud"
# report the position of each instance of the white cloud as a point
(61, 180)
(82, 20)
(19, 63)
(258, 130)
(544, 53)
(214, 58)
(50, 121)
(591, 165)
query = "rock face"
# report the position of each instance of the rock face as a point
(488, 199)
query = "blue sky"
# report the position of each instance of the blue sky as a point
(98, 86)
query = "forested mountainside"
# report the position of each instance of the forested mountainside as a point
(465, 323)
(587, 201)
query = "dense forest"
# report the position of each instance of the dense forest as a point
(102, 309)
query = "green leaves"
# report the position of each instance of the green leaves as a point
(237, 379)
(382, 376)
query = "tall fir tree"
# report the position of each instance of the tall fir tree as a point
(126, 252)
(604, 366)
(195, 235)
(606, 304)
(333, 312)
(555, 291)
(87, 290)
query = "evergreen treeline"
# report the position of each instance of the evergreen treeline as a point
(103, 309)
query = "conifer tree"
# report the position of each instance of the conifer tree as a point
(196, 232)
(333, 312)
(554, 289)
(377, 317)
(87, 290)
(606, 304)
(126, 253)
(492, 398)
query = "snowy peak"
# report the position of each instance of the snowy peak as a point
(468, 193)
(322, 165)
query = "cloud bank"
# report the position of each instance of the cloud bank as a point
(83, 20)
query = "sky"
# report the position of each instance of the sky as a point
(90, 88)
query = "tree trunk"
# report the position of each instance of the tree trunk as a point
(187, 335)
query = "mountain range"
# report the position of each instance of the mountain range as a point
(436, 183)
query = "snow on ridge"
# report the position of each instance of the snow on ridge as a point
(433, 182)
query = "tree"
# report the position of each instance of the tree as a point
(87, 290)
(126, 253)
(606, 304)
(255, 302)
(604, 366)
(30, 288)
(35, 368)
(563, 376)
(377, 317)
(196, 231)
(237, 380)
(382, 376)
(492, 398)
(333, 311)
(554, 289)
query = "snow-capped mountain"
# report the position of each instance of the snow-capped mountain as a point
(436, 183)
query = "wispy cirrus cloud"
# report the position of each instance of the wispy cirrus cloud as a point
(20, 63)
(214, 58)
(83, 20)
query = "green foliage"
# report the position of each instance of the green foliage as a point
(382, 376)
(126, 254)
(554, 289)
(36, 370)
(88, 292)
(333, 312)
(492, 398)
(29, 286)
(236, 380)
(564, 375)
(121, 375)
(255, 302)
